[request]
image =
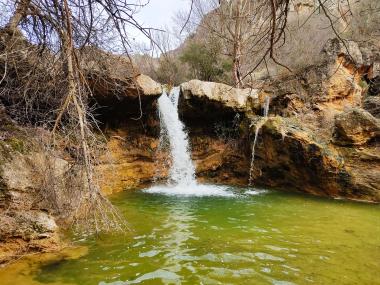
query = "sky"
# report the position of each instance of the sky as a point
(158, 14)
(155, 14)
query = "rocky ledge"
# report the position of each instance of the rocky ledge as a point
(290, 155)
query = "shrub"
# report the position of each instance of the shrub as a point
(206, 62)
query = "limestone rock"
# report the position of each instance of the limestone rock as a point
(27, 225)
(374, 86)
(355, 127)
(25, 232)
(334, 47)
(130, 163)
(333, 84)
(371, 55)
(148, 86)
(372, 105)
(114, 75)
(230, 98)
(287, 154)
(291, 156)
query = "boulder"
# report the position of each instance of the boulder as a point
(114, 78)
(355, 127)
(148, 86)
(335, 47)
(372, 105)
(216, 98)
(25, 171)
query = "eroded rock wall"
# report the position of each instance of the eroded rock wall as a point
(26, 225)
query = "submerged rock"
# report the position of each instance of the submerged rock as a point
(355, 127)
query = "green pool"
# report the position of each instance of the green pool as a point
(247, 237)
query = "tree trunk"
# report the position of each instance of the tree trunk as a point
(237, 43)
(236, 65)
(19, 14)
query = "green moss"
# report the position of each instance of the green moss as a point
(16, 144)
(274, 125)
(363, 84)
(8, 127)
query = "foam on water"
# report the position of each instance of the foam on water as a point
(197, 190)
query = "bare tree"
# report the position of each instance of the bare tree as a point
(48, 64)
(245, 27)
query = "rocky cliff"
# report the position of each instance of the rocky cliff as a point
(320, 136)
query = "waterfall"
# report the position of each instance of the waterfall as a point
(266, 106)
(182, 171)
(174, 138)
(258, 126)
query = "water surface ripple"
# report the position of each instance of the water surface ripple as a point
(249, 237)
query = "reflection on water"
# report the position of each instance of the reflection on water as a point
(251, 238)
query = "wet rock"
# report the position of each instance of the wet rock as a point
(355, 127)
(220, 161)
(288, 155)
(27, 225)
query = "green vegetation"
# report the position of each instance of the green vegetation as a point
(16, 144)
(206, 62)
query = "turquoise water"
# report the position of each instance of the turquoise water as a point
(248, 238)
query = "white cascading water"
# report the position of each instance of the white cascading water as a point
(182, 171)
(259, 124)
